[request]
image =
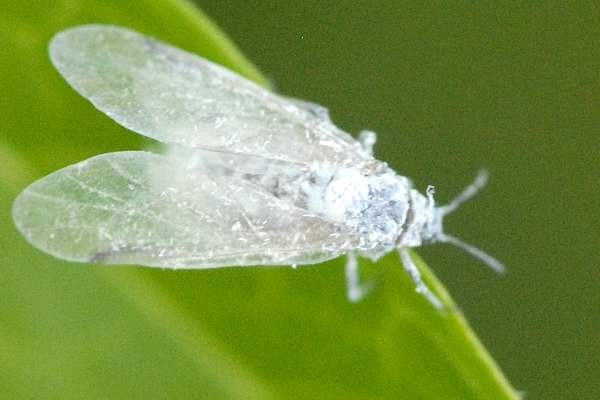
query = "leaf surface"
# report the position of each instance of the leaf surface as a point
(87, 331)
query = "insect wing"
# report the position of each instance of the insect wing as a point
(143, 208)
(179, 98)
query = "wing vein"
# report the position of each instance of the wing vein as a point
(92, 189)
(122, 172)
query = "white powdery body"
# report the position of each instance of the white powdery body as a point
(373, 201)
(250, 177)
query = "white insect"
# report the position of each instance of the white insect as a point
(252, 178)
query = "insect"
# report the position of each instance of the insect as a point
(249, 177)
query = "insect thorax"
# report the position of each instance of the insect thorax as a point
(373, 201)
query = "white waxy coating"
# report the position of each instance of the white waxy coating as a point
(251, 177)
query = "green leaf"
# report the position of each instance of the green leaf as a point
(86, 331)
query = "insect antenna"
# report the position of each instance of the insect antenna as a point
(474, 251)
(466, 194)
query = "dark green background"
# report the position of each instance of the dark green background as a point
(451, 88)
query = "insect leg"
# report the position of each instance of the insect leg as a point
(367, 140)
(415, 275)
(354, 289)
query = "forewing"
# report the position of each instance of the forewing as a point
(179, 98)
(142, 208)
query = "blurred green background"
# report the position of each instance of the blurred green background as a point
(449, 88)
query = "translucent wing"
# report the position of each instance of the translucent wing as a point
(176, 97)
(143, 208)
